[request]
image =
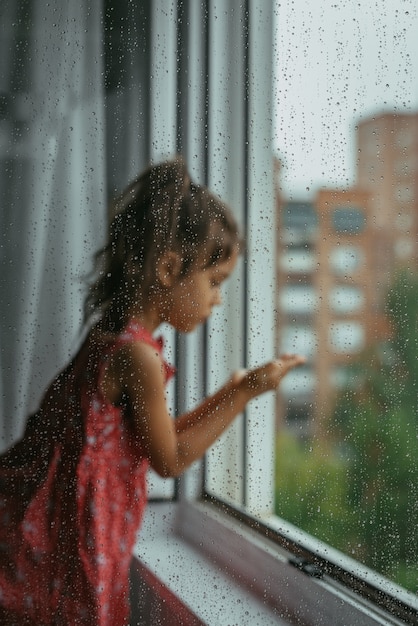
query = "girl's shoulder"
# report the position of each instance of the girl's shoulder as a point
(116, 348)
(135, 332)
(106, 340)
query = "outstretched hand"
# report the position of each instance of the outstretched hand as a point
(267, 377)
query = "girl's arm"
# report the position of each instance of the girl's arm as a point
(172, 445)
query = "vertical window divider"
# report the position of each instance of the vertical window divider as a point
(246, 48)
(205, 372)
(182, 55)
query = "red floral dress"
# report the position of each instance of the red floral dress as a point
(72, 496)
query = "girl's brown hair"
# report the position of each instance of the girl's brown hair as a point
(160, 210)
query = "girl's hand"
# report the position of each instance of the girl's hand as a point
(266, 377)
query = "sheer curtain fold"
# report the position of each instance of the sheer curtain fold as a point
(51, 189)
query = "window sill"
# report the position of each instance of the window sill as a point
(220, 567)
(211, 593)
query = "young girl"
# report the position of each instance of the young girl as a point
(73, 490)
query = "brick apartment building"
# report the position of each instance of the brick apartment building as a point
(335, 258)
(387, 167)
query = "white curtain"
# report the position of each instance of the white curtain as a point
(52, 207)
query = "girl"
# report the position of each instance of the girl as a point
(72, 490)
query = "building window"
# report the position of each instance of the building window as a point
(345, 260)
(346, 337)
(404, 192)
(297, 299)
(297, 339)
(299, 383)
(298, 261)
(342, 377)
(345, 299)
(404, 221)
(405, 248)
(348, 220)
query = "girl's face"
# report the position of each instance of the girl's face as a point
(194, 295)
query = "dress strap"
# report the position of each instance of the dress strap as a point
(134, 331)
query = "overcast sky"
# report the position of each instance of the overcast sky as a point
(338, 62)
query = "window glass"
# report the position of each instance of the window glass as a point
(346, 138)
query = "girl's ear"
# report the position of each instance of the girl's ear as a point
(168, 268)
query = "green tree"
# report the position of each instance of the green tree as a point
(379, 424)
(361, 496)
(311, 489)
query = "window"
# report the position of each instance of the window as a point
(298, 383)
(298, 299)
(404, 193)
(404, 222)
(404, 248)
(345, 299)
(339, 138)
(343, 377)
(346, 337)
(348, 220)
(345, 259)
(298, 261)
(354, 278)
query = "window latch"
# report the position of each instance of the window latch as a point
(307, 567)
